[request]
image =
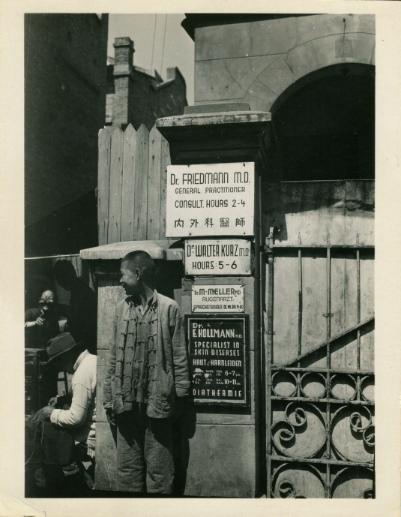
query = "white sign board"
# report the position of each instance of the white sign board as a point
(217, 298)
(217, 257)
(211, 199)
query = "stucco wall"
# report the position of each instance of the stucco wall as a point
(256, 61)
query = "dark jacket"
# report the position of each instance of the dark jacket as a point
(172, 377)
(37, 337)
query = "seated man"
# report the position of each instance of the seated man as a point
(62, 428)
(42, 322)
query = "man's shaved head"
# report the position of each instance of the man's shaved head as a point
(142, 262)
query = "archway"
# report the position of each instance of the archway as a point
(324, 125)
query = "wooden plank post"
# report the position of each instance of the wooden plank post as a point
(128, 184)
(116, 170)
(153, 228)
(164, 161)
(141, 183)
(103, 192)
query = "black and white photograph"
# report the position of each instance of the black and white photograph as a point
(199, 277)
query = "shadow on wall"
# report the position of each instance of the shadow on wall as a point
(310, 208)
(83, 304)
(324, 149)
(324, 125)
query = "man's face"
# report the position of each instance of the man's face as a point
(129, 279)
(46, 301)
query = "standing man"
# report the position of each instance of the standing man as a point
(146, 370)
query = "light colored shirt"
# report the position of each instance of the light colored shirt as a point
(80, 417)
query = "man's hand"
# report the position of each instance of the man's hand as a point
(39, 321)
(45, 412)
(111, 417)
(52, 402)
(182, 406)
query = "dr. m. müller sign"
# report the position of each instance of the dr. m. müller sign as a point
(210, 199)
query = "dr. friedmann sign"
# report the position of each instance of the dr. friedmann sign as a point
(211, 199)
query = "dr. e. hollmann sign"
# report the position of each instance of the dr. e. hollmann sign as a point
(210, 199)
(219, 356)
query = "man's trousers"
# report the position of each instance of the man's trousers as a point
(145, 462)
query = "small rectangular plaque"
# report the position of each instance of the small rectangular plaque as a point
(219, 348)
(217, 298)
(217, 257)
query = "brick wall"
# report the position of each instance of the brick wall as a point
(65, 81)
(135, 96)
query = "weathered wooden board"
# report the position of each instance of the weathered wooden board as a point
(285, 309)
(101, 370)
(128, 185)
(164, 161)
(103, 184)
(116, 176)
(314, 295)
(153, 227)
(367, 309)
(132, 184)
(141, 184)
(344, 308)
(108, 297)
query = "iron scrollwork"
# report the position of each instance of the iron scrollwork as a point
(302, 433)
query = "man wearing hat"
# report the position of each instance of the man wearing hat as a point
(78, 420)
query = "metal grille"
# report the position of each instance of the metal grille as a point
(320, 418)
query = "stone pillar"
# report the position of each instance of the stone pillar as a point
(226, 448)
(122, 73)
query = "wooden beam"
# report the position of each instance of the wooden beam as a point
(328, 342)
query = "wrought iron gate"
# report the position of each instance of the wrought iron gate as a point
(319, 326)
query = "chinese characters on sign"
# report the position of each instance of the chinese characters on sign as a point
(211, 199)
(217, 257)
(218, 352)
(217, 298)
